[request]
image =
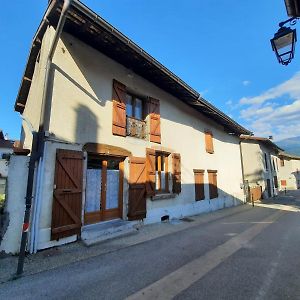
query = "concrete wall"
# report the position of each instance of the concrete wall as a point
(15, 203)
(255, 170)
(82, 112)
(32, 109)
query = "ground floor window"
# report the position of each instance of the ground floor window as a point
(213, 186)
(162, 172)
(199, 185)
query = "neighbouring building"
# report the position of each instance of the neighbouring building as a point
(289, 169)
(260, 166)
(125, 138)
(6, 149)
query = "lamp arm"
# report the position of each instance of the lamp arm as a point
(292, 21)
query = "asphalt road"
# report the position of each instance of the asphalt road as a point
(254, 254)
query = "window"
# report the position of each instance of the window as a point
(134, 107)
(161, 172)
(275, 182)
(213, 186)
(266, 161)
(209, 146)
(199, 185)
(282, 162)
(274, 169)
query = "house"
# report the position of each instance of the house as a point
(124, 137)
(6, 149)
(288, 174)
(260, 165)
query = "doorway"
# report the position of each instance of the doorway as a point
(104, 189)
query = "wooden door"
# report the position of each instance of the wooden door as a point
(104, 189)
(137, 189)
(67, 194)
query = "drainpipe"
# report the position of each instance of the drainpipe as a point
(243, 174)
(38, 138)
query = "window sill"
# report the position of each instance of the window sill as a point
(163, 196)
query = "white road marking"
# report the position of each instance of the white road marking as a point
(174, 283)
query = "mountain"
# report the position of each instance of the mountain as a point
(290, 145)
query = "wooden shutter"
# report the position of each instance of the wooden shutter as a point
(199, 185)
(137, 189)
(282, 162)
(150, 169)
(67, 194)
(119, 109)
(283, 182)
(209, 146)
(154, 116)
(176, 173)
(213, 186)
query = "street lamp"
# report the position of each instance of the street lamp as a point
(283, 42)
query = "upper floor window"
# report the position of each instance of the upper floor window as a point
(266, 161)
(282, 162)
(134, 107)
(209, 146)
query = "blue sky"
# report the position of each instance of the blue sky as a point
(219, 47)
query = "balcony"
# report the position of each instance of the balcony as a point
(136, 128)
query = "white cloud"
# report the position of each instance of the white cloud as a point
(265, 117)
(290, 87)
(246, 82)
(229, 102)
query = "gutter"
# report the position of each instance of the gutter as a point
(38, 137)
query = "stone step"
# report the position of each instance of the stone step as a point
(106, 237)
(95, 233)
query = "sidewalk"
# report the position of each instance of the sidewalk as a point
(64, 255)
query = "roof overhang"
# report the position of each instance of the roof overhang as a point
(90, 28)
(288, 156)
(267, 142)
(292, 8)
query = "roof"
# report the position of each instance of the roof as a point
(6, 144)
(87, 26)
(262, 140)
(288, 156)
(292, 8)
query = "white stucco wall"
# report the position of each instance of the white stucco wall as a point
(15, 203)
(82, 113)
(254, 165)
(290, 172)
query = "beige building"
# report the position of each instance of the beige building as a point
(260, 166)
(125, 138)
(289, 169)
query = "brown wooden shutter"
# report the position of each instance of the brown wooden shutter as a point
(150, 169)
(154, 116)
(119, 109)
(137, 189)
(283, 182)
(213, 186)
(176, 173)
(67, 194)
(209, 146)
(199, 185)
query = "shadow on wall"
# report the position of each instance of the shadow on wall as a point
(296, 174)
(92, 72)
(86, 125)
